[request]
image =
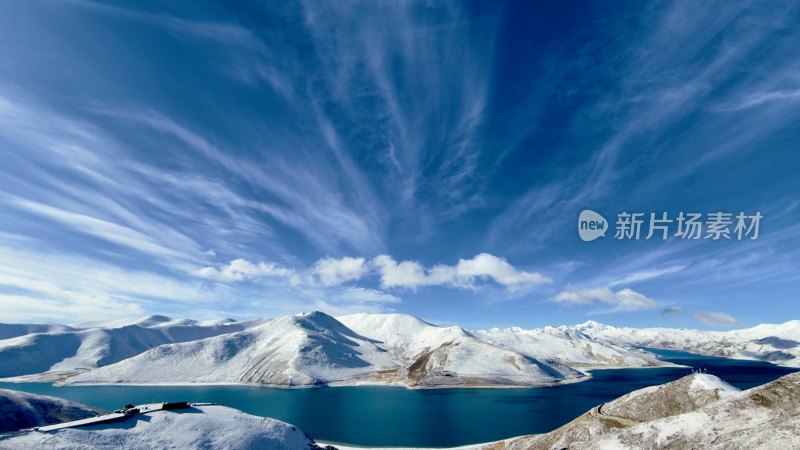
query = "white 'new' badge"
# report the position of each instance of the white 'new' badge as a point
(591, 225)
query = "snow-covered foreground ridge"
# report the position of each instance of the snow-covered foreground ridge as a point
(314, 349)
(200, 426)
(23, 410)
(697, 411)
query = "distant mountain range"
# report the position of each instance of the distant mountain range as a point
(315, 349)
(775, 343)
(63, 350)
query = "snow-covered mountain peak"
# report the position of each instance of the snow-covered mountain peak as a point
(319, 320)
(318, 323)
(708, 382)
(592, 325)
(305, 349)
(404, 331)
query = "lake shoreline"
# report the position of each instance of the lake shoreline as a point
(385, 417)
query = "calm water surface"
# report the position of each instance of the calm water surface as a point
(391, 416)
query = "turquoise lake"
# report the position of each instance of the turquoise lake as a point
(390, 416)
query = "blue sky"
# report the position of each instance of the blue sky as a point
(205, 160)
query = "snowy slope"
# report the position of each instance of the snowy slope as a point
(201, 426)
(642, 406)
(20, 410)
(435, 355)
(70, 350)
(765, 417)
(568, 346)
(316, 349)
(306, 349)
(776, 343)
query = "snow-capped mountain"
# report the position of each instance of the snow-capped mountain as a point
(306, 349)
(433, 355)
(776, 343)
(569, 346)
(56, 350)
(20, 410)
(317, 349)
(200, 426)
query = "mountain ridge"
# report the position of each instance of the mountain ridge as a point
(315, 349)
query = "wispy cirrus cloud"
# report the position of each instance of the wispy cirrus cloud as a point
(645, 275)
(666, 76)
(265, 167)
(400, 49)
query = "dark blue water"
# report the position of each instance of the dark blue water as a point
(388, 416)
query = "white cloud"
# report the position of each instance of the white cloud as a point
(406, 274)
(333, 272)
(325, 272)
(624, 300)
(717, 319)
(411, 274)
(242, 269)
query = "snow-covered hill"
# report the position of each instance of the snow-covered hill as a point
(776, 343)
(58, 350)
(306, 349)
(697, 411)
(316, 349)
(20, 410)
(569, 346)
(764, 417)
(201, 426)
(431, 355)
